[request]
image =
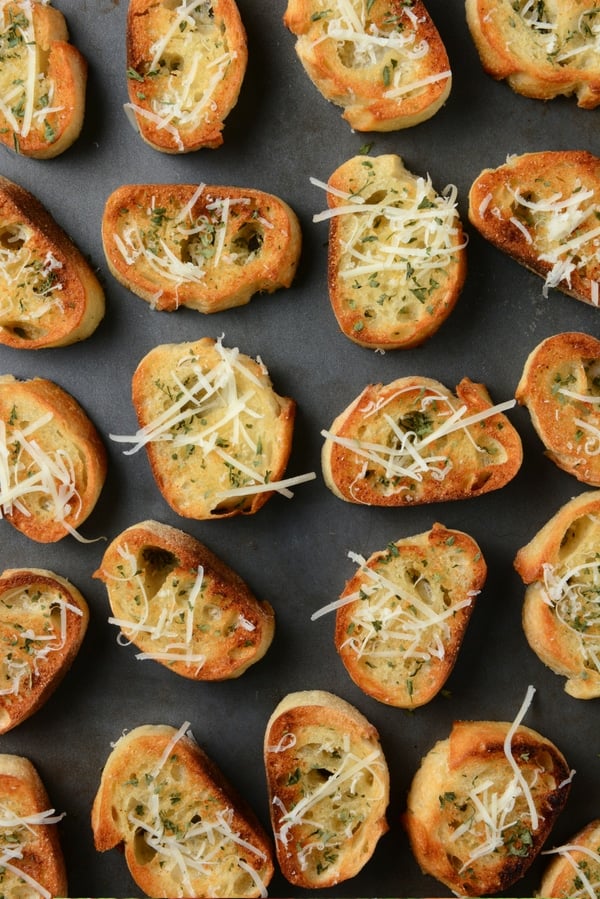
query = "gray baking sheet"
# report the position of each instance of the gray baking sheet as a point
(295, 552)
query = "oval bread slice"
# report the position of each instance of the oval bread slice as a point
(575, 869)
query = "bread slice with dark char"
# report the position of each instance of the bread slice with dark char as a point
(181, 605)
(575, 868)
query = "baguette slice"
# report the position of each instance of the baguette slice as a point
(383, 62)
(482, 803)
(397, 258)
(328, 787)
(561, 612)
(560, 386)
(30, 853)
(42, 80)
(43, 620)
(54, 462)
(413, 441)
(575, 871)
(183, 828)
(50, 296)
(208, 248)
(542, 210)
(181, 605)
(401, 619)
(543, 50)
(215, 431)
(186, 61)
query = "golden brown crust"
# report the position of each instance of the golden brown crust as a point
(182, 92)
(541, 209)
(577, 859)
(542, 50)
(560, 386)
(437, 573)
(446, 831)
(245, 241)
(392, 218)
(191, 806)
(32, 848)
(381, 86)
(227, 630)
(317, 748)
(66, 435)
(560, 612)
(50, 295)
(456, 466)
(44, 121)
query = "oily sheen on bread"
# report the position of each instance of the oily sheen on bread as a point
(31, 857)
(182, 826)
(483, 802)
(401, 618)
(42, 80)
(413, 441)
(43, 620)
(328, 788)
(561, 612)
(382, 61)
(181, 605)
(53, 460)
(217, 435)
(575, 868)
(543, 50)
(186, 61)
(208, 248)
(50, 296)
(397, 257)
(560, 386)
(542, 209)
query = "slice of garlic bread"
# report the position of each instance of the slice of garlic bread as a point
(382, 61)
(182, 826)
(414, 441)
(42, 80)
(328, 787)
(207, 248)
(186, 61)
(561, 612)
(575, 869)
(181, 605)
(397, 252)
(50, 295)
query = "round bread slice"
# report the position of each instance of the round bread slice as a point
(328, 788)
(560, 386)
(575, 869)
(414, 441)
(561, 612)
(482, 803)
(181, 605)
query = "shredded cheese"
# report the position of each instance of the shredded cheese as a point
(586, 880)
(31, 285)
(17, 842)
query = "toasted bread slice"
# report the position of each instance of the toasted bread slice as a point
(30, 853)
(50, 296)
(576, 869)
(401, 619)
(328, 785)
(43, 620)
(217, 435)
(413, 441)
(183, 828)
(42, 80)
(483, 802)
(208, 248)
(53, 460)
(186, 61)
(397, 258)
(561, 613)
(543, 50)
(181, 605)
(560, 386)
(382, 61)
(542, 210)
